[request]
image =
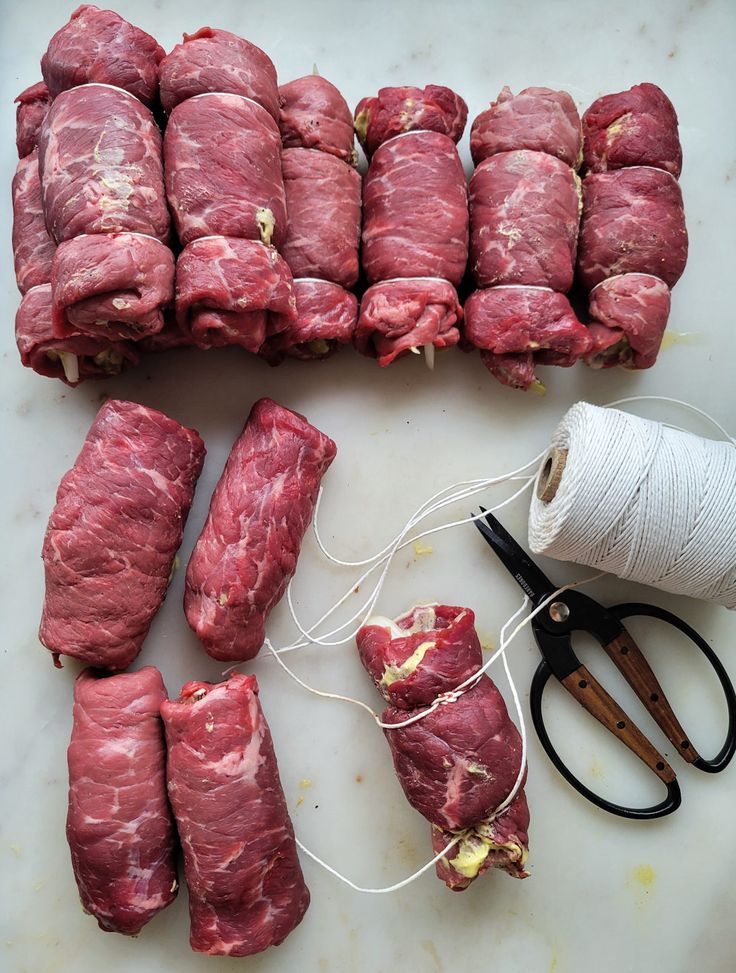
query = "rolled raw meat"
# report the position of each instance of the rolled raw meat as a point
(516, 326)
(222, 156)
(415, 210)
(423, 653)
(459, 763)
(33, 248)
(323, 202)
(249, 545)
(407, 109)
(100, 163)
(33, 104)
(637, 127)
(98, 45)
(72, 359)
(326, 318)
(524, 217)
(119, 826)
(111, 285)
(232, 292)
(404, 315)
(216, 60)
(112, 536)
(628, 318)
(538, 119)
(246, 888)
(314, 115)
(633, 222)
(171, 336)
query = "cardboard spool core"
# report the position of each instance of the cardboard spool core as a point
(551, 475)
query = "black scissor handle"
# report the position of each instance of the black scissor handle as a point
(667, 806)
(724, 755)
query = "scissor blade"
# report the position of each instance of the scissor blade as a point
(532, 581)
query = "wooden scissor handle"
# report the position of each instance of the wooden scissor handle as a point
(594, 698)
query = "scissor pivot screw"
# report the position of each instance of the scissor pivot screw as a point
(558, 611)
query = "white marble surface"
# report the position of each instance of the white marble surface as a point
(605, 894)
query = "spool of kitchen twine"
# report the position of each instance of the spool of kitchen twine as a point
(641, 500)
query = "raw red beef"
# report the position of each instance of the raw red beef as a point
(33, 104)
(232, 292)
(500, 842)
(425, 652)
(633, 222)
(628, 318)
(71, 359)
(33, 248)
(538, 119)
(323, 203)
(524, 217)
(399, 315)
(119, 826)
(249, 545)
(326, 318)
(216, 60)
(637, 127)
(415, 210)
(98, 45)
(459, 763)
(100, 158)
(246, 888)
(222, 155)
(314, 115)
(516, 326)
(112, 536)
(171, 336)
(395, 110)
(111, 285)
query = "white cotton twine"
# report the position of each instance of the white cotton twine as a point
(644, 501)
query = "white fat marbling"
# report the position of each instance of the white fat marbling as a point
(604, 894)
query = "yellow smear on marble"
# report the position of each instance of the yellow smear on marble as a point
(670, 338)
(305, 783)
(420, 549)
(596, 770)
(16, 850)
(300, 800)
(554, 963)
(644, 875)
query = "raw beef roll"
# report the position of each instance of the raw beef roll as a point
(633, 222)
(111, 285)
(170, 337)
(314, 115)
(415, 210)
(628, 316)
(98, 45)
(515, 327)
(323, 203)
(326, 318)
(524, 216)
(33, 248)
(538, 119)
(232, 292)
(216, 60)
(100, 162)
(246, 888)
(396, 110)
(112, 536)
(33, 104)
(405, 315)
(637, 127)
(72, 359)
(119, 826)
(222, 156)
(496, 842)
(249, 545)
(459, 763)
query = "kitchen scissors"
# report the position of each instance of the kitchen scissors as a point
(573, 611)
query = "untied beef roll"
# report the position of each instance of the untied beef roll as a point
(407, 109)
(314, 115)
(33, 104)
(326, 317)
(33, 247)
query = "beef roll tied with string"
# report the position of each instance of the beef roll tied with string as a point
(314, 115)
(407, 109)
(326, 318)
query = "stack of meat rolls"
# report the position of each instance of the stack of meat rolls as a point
(633, 240)
(524, 218)
(222, 154)
(415, 221)
(323, 204)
